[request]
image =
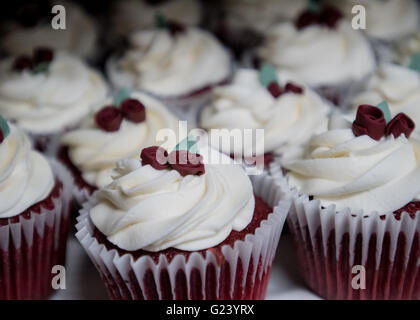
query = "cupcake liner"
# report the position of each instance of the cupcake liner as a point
(239, 272)
(33, 242)
(330, 244)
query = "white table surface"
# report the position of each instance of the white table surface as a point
(84, 283)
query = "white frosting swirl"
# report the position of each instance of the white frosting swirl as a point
(259, 14)
(398, 86)
(288, 121)
(153, 210)
(358, 172)
(51, 101)
(133, 15)
(171, 65)
(95, 151)
(79, 37)
(385, 19)
(26, 177)
(318, 55)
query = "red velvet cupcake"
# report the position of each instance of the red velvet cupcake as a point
(34, 217)
(355, 216)
(174, 230)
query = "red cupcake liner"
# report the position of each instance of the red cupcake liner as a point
(240, 270)
(33, 242)
(330, 244)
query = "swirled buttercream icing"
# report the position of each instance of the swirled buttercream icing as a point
(318, 55)
(26, 177)
(149, 209)
(288, 121)
(171, 65)
(53, 100)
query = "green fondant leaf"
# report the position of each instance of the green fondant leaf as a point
(267, 74)
(121, 95)
(189, 144)
(385, 109)
(4, 127)
(415, 62)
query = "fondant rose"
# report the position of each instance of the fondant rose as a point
(292, 87)
(43, 55)
(109, 118)
(370, 121)
(133, 110)
(186, 162)
(275, 89)
(400, 124)
(155, 156)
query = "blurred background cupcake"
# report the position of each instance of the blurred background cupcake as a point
(128, 16)
(175, 63)
(240, 23)
(356, 204)
(203, 231)
(29, 26)
(387, 21)
(114, 130)
(47, 93)
(322, 50)
(289, 113)
(34, 217)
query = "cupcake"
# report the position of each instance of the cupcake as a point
(321, 50)
(404, 16)
(203, 231)
(48, 93)
(242, 22)
(288, 113)
(175, 63)
(31, 28)
(397, 85)
(34, 217)
(133, 15)
(355, 216)
(111, 132)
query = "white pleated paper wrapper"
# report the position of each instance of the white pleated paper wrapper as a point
(14, 233)
(306, 214)
(261, 245)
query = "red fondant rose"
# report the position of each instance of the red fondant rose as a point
(370, 120)
(329, 17)
(306, 18)
(275, 89)
(156, 156)
(400, 124)
(292, 87)
(133, 110)
(109, 118)
(186, 162)
(43, 55)
(22, 63)
(175, 28)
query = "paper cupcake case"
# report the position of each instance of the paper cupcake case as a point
(240, 272)
(331, 246)
(33, 242)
